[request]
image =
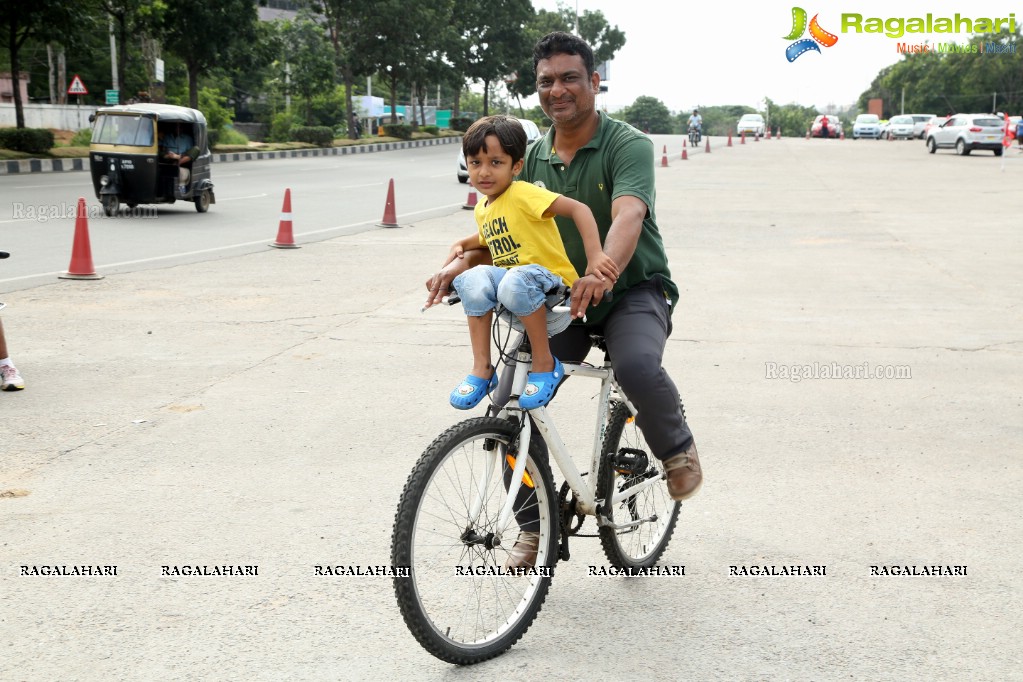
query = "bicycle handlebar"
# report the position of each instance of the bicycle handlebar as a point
(4, 254)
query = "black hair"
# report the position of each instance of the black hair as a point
(560, 42)
(509, 132)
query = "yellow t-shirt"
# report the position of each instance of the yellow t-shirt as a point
(516, 230)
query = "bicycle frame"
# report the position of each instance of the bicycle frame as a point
(586, 500)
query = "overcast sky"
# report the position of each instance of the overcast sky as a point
(733, 52)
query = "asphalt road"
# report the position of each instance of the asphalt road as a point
(331, 196)
(264, 409)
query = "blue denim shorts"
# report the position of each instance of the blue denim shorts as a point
(521, 290)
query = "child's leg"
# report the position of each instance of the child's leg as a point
(477, 288)
(536, 329)
(523, 291)
(479, 338)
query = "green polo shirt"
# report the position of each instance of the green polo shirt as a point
(618, 161)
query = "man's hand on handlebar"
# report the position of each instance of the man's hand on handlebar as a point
(588, 291)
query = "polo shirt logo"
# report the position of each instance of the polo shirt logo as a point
(601, 186)
(539, 183)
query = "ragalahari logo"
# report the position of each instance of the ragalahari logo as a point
(818, 35)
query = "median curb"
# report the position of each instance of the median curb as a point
(19, 166)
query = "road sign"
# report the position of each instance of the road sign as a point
(77, 87)
(113, 96)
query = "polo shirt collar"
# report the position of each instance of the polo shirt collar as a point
(546, 152)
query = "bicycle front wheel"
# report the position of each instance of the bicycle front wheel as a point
(646, 519)
(460, 600)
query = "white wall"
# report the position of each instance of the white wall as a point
(59, 116)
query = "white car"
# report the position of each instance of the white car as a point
(751, 124)
(967, 132)
(532, 135)
(901, 127)
(920, 122)
(867, 125)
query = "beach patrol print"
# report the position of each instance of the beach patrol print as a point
(517, 230)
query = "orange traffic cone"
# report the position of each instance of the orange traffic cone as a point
(664, 157)
(742, 140)
(685, 156)
(729, 138)
(768, 133)
(808, 134)
(81, 266)
(706, 149)
(470, 202)
(778, 136)
(285, 239)
(390, 219)
(841, 135)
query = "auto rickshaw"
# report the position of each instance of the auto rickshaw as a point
(130, 165)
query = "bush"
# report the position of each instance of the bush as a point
(28, 140)
(280, 127)
(228, 135)
(461, 123)
(430, 130)
(322, 136)
(83, 138)
(402, 131)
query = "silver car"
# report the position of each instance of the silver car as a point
(920, 122)
(966, 132)
(532, 134)
(901, 127)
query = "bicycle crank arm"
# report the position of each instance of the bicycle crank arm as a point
(603, 522)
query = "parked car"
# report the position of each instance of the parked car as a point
(834, 127)
(884, 123)
(751, 124)
(532, 134)
(867, 125)
(901, 127)
(966, 132)
(920, 122)
(933, 123)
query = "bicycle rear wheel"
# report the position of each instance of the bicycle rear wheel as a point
(626, 460)
(459, 601)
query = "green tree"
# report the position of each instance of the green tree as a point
(42, 20)
(495, 40)
(307, 59)
(207, 34)
(604, 39)
(793, 119)
(351, 27)
(648, 114)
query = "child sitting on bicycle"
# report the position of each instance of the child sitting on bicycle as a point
(516, 223)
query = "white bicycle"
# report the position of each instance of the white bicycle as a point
(471, 491)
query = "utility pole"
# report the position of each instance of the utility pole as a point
(113, 56)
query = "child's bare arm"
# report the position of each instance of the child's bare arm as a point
(597, 262)
(458, 249)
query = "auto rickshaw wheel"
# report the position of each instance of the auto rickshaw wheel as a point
(111, 204)
(202, 202)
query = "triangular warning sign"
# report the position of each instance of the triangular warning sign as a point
(77, 87)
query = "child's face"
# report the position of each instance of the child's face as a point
(491, 170)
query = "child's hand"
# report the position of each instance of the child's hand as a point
(602, 266)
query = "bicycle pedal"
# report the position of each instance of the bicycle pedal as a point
(630, 461)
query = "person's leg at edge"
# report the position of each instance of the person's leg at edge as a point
(636, 331)
(10, 380)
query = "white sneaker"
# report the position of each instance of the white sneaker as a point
(12, 381)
